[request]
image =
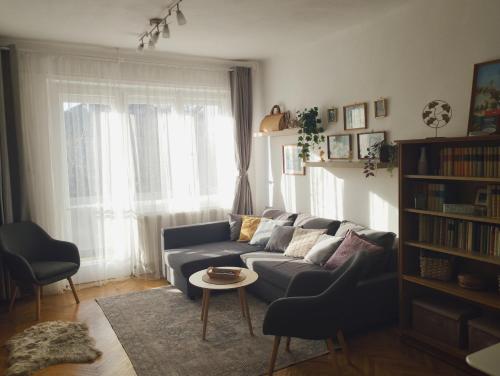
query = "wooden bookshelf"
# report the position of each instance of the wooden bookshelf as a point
(481, 262)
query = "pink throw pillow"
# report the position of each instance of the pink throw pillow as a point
(352, 244)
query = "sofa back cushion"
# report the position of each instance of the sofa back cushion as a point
(302, 241)
(265, 229)
(323, 249)
(280, 238)
(279, 215)
(310, 222)
(352, 244)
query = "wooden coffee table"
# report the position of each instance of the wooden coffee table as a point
(196, 280)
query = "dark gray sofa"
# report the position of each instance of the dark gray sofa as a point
(188, 249)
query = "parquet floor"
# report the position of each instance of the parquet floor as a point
(376, 353)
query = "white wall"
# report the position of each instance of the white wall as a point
(422, 50)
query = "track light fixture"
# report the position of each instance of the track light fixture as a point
(156, 23)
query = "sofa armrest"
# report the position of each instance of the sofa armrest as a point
(309, 283)
(183, 236)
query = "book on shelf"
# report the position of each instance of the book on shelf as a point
(468, 236)
(479, 161)
(493, 200)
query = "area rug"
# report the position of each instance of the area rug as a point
(160, 329)
(49, 343)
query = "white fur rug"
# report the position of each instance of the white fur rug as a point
(49, 343)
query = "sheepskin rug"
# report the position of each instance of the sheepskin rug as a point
(49, 343)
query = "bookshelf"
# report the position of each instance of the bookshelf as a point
(457, 167)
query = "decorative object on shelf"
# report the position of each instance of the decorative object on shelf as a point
(434, 267)
(471, 281)
(437, 114)
(484, 114)
(332, 115)
(355, 116)
(293, 164)
(422, 167)
(154, 34)
(339, 146)
(275, 121)
(481, 197)
(369, 141)
(310, 130)
(383, 152)
(380, 107)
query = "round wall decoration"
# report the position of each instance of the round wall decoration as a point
(437, 114)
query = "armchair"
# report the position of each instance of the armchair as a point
(316, 306)
(33, 257)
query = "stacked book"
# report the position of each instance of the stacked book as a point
(481, 161)
(493, 201)
(453, 233)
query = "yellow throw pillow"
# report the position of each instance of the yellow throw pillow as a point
(248, 227)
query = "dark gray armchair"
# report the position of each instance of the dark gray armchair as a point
(316, 305)
(33, 257)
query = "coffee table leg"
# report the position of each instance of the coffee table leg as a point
(242, 302)
(247, 311)
(205, 312)
(203, 298)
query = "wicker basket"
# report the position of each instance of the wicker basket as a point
(435, 268)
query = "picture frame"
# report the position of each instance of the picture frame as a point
(291, 162)
(332, 115)
(481, 197)
(339, 146)
(484, 111)
(380, 107)
(365, 140)
(355, 116)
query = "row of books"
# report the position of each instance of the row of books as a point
(481, 161)
(468, 236)
(493, 200)
(430, 197)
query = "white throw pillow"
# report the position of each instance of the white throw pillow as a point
(324, 248)
(302, 241)
(264, 231)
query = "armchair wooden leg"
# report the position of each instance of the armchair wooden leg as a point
(274, 354)
(13, 294)
(288, 340)
(343, 344)
(38, 302)
(73, 290)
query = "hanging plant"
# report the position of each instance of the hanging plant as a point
(380, 152)
(310, 130)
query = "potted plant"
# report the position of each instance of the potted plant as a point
(310, 130)
(383, 152)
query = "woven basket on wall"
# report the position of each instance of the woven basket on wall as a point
(435, 268)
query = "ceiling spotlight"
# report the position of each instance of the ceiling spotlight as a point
(140, 48)
(155, 35)
(181, 20)
(165, 33)
(151, 43)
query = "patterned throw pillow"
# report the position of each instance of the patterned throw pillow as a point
(248, 227)
(352, 244)
(302, 242)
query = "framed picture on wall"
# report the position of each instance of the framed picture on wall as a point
(292, 163)
(332, 115)
(355, 116)
(339, 146)
(484, 113)
(380, 106)
(366, 140)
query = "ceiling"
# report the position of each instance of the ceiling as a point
(231, 29)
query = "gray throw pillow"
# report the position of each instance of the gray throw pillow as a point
(235, 221)
(324, 248)
(264, 231)
(279, 215)
(310, 222)
(280, 238)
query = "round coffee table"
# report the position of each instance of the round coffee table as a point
(196, 280)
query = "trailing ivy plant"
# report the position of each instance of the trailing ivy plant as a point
(310, 130)
(381, 151)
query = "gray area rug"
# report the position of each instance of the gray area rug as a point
(160, 329)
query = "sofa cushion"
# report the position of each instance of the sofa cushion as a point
(280, 238)
(49, 269)
(279, 214)
(195, 258)
(323, 249)
(302, 241)
(265, 229)
(250, 258)
(311, 222)
(280, 272)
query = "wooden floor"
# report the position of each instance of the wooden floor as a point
(376, 353)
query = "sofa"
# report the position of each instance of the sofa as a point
(188, 249)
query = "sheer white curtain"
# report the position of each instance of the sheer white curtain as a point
(116, 150)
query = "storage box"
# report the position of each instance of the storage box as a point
(442, 320)
(483, 332)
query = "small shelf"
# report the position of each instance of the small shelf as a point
(472, 218)
(495, 260)
(343, 164)
(454, 178)
(284, 132)
(488, 299)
